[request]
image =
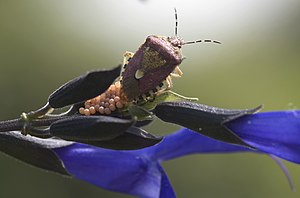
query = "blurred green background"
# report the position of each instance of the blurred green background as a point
(46, 43)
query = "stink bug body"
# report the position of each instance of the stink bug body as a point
(152, 66)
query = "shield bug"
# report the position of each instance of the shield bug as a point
(146, 74)
(150, 69)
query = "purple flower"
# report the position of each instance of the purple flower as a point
(138, 172)
(274, 133)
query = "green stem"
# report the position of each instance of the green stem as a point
(40, 112)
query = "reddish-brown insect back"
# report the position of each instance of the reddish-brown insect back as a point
(150, 66)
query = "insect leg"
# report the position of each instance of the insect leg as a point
(169, 82)
(127, 56)
(177, 72)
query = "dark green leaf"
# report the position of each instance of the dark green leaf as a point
(80, 128)
(203, 119)
(83, 87)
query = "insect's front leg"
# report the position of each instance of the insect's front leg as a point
(177, 72)
(127, 56)
(168, 84)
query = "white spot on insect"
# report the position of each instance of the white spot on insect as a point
(138, 74)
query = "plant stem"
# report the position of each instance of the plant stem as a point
(11, 125)
(18, 124)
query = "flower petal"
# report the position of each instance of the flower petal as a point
(185, 142)
(166, 190)
(276, 133)
(120, 171)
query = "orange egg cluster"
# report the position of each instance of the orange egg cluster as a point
(105, 103)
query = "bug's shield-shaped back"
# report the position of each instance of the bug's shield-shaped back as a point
(151, 64)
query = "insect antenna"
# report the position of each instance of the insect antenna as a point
(192, 42)
(176, 22)
(202, 41)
